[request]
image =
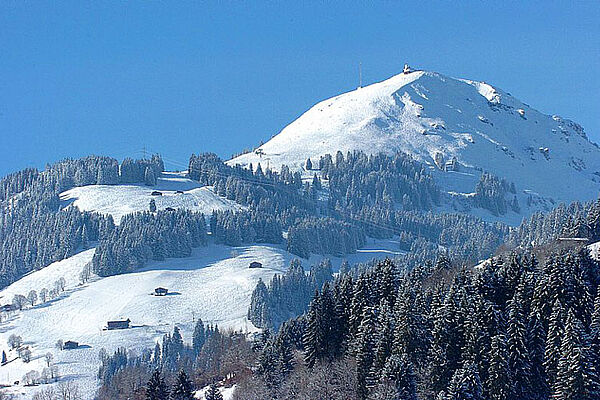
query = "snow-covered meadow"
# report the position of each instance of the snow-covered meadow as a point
(118, 200)
(214, 284)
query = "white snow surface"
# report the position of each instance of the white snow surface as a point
(595, 250)
(226, 392)
(214, 284)
(119, 200)
(424, 113)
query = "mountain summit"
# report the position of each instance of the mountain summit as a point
(459, 128)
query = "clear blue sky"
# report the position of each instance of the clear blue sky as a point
(80, 78)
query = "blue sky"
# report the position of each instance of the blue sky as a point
(80, 78)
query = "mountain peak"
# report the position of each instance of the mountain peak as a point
(436, 118)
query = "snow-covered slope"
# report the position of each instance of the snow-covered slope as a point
(119, 200)
(214, 284)
(434, 117)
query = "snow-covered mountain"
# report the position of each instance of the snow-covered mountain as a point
(459, 128)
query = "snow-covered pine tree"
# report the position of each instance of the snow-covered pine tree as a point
(213, 392)
(199, 337)
(156, 388)
(465, 385)
(182, 388)
(499, 382)
(576, 377)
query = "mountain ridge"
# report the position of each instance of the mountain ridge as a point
(459, 128)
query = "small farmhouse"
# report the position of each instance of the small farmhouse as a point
(118, 324)
(255, 264)
(156, 193)
(70, 345)
(7, 307)
(161, 291)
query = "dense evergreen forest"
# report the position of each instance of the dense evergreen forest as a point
(35, 228)
(525, 325)
(350, 198)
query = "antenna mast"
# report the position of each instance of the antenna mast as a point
(359, 74)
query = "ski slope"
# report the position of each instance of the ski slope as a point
(214, 284)
(434, 117)
(119, 200)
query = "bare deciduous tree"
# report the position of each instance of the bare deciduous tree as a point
(32, 297)
(19, 301)
(69, 391)
(15, 341)
(43, 295)
(49, 357)
(25, 354)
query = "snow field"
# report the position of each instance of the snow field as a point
(119, 200)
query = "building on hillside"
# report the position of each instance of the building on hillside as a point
(70, 345)
(161, 291)
(156, 193)
(7, 307)
(118, 324)
(255, 264)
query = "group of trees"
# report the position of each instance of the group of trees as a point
(144, 170)
(245, 227)
(359, 180)
(174, 368)
(491, 192)
(288, 295)
(145, 236)
(324, 236)
(35, 228)
(510, 329)
(20, 301)
(576, 220)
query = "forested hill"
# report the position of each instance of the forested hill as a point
(512, 328)
(347, 199)
(517, 327)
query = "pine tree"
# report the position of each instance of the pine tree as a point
(465, 385)
(182, 389)
(364, 348)
(518, 356)
(199, 337)
(149, 176)
(309, 165)
(553, 343)
(156, 388)
(4, 359)
(576, 377)
(312, 335)
(499, 382)
(152, 206)
(536, 338)
(213, 392)
(399, 371)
